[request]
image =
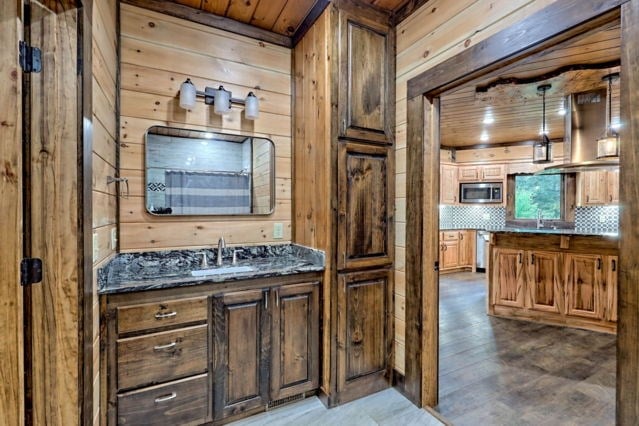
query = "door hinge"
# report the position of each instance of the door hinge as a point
(30, 271)
(30, 58)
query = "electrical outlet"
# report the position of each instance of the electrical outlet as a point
(602, 218)
(486, 216)
(278, 230)
(114, 238)
(96, 249)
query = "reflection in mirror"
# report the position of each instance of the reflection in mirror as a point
(191, 172)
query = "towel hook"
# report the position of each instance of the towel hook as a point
(119, 180)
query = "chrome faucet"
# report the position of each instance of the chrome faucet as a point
(220, 246)
(540, 219)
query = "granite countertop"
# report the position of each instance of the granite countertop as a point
(129, 272)
(542, 231)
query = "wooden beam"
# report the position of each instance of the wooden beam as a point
(314, 14)
(497, 145)
(559, 21)
(628, 301)
(205, 18)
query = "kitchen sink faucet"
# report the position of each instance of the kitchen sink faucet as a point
(540, 219)
(221, 245)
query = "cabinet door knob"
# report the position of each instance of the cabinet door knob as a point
(520, 258)
(614, 265)
(598, 263)
(532, 259)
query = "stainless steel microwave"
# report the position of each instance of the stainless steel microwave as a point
(487, 192)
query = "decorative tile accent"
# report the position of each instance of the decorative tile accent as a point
(156, 186)
(597, 218)
(470, 217)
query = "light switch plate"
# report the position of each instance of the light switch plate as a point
(96, 249)
(278, 230)
(114, 238)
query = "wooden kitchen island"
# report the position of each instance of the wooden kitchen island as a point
(554, 277)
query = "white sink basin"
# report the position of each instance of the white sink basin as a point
(221, 271)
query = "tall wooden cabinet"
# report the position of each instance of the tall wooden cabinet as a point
(343, 188)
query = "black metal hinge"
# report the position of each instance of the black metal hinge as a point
(30, 271)
(30, 58)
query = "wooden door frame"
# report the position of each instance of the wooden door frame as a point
(555, 24)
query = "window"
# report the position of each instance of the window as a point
(535, 193)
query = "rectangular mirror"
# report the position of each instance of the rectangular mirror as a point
(192, 172)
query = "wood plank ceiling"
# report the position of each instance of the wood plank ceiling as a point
(512, 113)
(280, 16)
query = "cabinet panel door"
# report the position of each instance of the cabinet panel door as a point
(450, 255)
(508, 277)
(449, 186)
(465, 248)
(583, 285)
(295, 340)
(593, 188)
(363, 225)
(468, 174)
(364, 329)
(492, 173)
(613, 187)
(241, 343)
(544, 281)
(366, 90)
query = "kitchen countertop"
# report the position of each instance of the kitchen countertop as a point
(129, 272)
(542, 231)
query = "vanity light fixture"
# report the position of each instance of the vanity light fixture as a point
(220, 98)
(608, 144)
(542, 149)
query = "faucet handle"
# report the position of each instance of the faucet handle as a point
(205, 262)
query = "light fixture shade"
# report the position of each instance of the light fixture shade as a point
(251, 107)
(188, 94)
(222, 101)
(542, 149)
(608, 146)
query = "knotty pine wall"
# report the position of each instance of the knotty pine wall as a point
(105, 66)
(437, 31)
(158, 53)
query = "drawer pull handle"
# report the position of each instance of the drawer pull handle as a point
(163, 347)
(165, 398)
(614, 265)
(160, 316)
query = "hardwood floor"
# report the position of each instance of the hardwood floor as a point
(497, 371)
(387, 407)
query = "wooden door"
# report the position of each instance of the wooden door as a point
(468, 174)
(364, 333)
(465, 248)
(11, 225)
(583, 274)
(544, 281)
(493, 173)
(366, 95)
(450, 254)
(449, 186)
(610, 287)
(593, 188)
(363, 202)
(508, 278)
(241, 345)
(295, 340)
(613, 187)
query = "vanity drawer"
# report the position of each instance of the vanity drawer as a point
(154, 315)
(450, 236)
(159, 357)
(182, 402)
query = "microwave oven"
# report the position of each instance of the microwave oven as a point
(485, 192)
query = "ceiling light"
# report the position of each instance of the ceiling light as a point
(220, 98)
(542, 149)
(608, 144)
(484, 136)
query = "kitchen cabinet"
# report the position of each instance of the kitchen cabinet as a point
(598, 188)
(466, 247)
(456, 250)
(366, 76)
(363, 202)
(364, 332)
(486, 173)
(449, 185)
(564, 283)
(344, 174)
(216, 355)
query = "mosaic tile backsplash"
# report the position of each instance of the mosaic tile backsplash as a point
(587, 219)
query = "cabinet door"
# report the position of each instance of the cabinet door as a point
(241, 341)
(450, 255)
(544, 281)
(295, 340)
(465, 248)
(613, 187)
(366, 95)
(492, 173)
(449, 186)
(468, 174)
(364, 333)
(610, 287)
(593, 188)
(583, 285)
(363, 224)
(508, 277)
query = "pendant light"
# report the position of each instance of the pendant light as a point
(542, 149)
(608, 144)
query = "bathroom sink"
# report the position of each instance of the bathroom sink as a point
(221, 271)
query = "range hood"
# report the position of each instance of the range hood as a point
(585, 122)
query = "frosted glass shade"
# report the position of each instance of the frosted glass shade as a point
(251, 107)
(222, 101)
(542, 152)
(608, 146)
(188, 94)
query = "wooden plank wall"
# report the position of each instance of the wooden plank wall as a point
(435, 32)
(105, 68)
(158, 53)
